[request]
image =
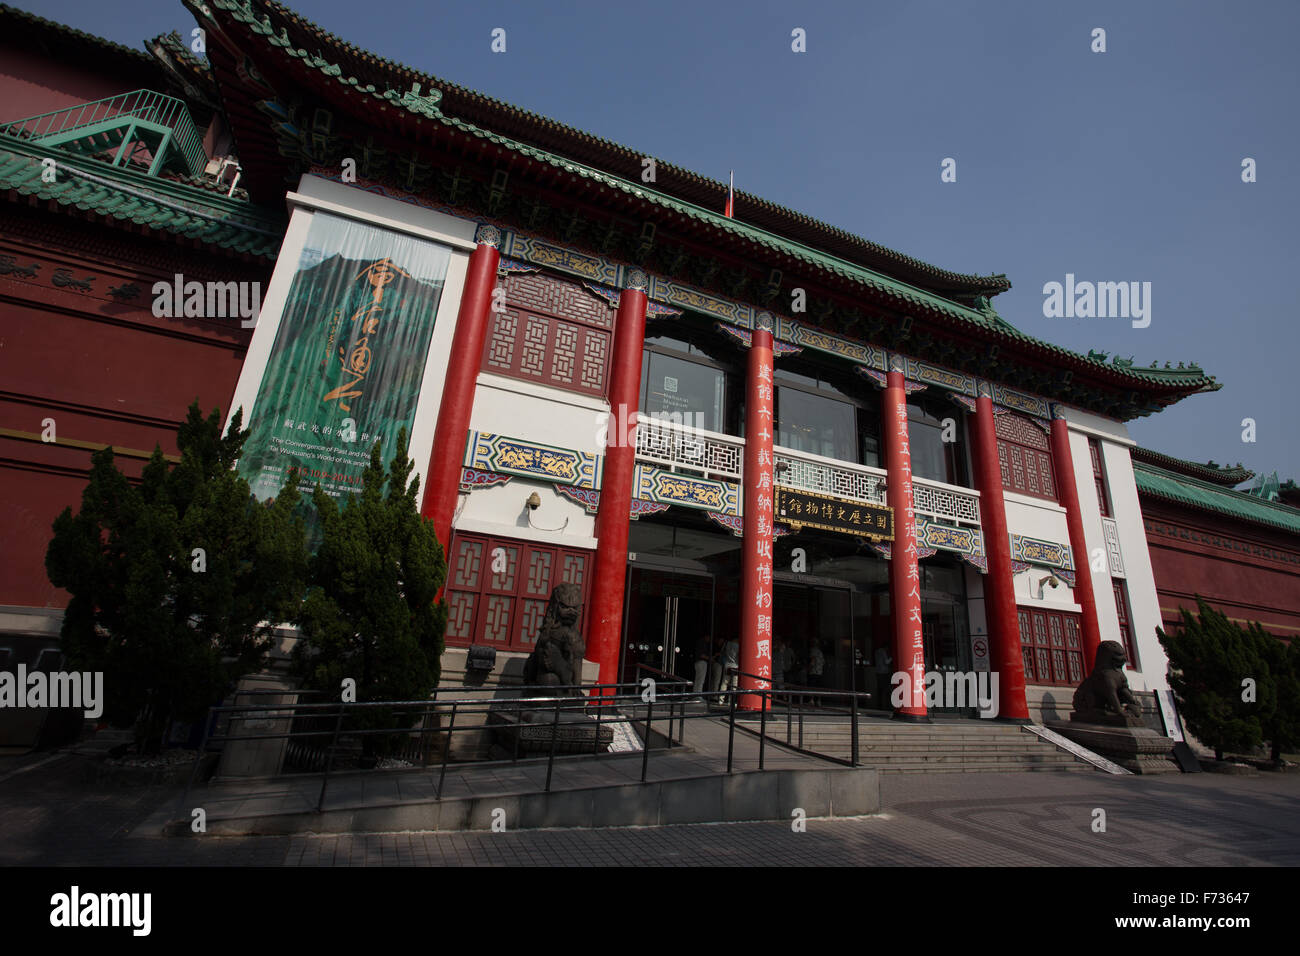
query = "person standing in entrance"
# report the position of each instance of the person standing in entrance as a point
(816, 666)
(730, 665)
(704, 651)
(884, 668)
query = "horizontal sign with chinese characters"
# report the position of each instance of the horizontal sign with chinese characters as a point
(806, 509)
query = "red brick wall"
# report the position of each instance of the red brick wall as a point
(1247, 571)
(102, 367)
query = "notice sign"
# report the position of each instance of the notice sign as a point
(806, 509)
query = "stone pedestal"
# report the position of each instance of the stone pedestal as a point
(1124, 740)
(574, 733)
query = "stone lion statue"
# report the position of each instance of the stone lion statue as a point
(557, 658)
(1105, 691)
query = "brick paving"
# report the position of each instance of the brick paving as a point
(50, 816)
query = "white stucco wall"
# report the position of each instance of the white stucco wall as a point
(1151, 667)
(548, 416)
(1045, 520)
(1149, 670)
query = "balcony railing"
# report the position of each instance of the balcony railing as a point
(679, 448)
(713, 455)
(946, 504)
(808, 472)
(119, 124)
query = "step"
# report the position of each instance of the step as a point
(949, 756)
(810, 740)
(890, 727)
(982, 768)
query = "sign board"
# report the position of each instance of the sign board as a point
(807, 509)
(1169, 714)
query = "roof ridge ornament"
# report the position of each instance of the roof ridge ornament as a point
(426, 105)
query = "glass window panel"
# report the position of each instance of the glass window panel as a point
(820, 426)
(929, 458)
(694, 393)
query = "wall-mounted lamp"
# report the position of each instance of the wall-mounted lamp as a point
(534, 502)
(1050, 581)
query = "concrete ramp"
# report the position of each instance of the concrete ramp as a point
(605, 793)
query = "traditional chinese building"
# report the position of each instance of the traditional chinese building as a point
(1239, 552)
(754, 426)
(103, 192)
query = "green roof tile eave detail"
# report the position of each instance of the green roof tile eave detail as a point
(1187, 381)
(1224, 476)
(1180, 379)
(167, 207)
(1202, 494)
(241, 10)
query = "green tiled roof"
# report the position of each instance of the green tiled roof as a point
(133, 197)
(354, 60)
(903, 294)
(1201, 494)
(1207, 471)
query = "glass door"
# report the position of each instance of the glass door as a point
(669, 622)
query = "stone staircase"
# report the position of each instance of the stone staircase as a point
(890, 746)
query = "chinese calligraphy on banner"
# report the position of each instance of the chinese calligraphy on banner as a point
(756, 619)
(348, 360)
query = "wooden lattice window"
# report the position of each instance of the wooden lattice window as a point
(1025, 457)
(1125, 620)
(498, 588)
(1098, 476)
(1051, 646)
(553, 332)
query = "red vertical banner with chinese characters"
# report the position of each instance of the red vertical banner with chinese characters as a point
(756, 563)
(904, 573)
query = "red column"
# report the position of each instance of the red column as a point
(904, 574)
(1063, 462)
(999, 586)
(442, 479)
(756, 553)
(605, 617)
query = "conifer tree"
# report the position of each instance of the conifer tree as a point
(1210, 659)
(369, 614)
(1281, 726)
(176, 581)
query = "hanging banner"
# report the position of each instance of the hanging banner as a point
(348, 360)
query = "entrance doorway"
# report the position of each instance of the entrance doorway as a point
(669, 621)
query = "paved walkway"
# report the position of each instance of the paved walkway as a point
(49, 816)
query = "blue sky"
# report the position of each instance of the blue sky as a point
(1115, 166)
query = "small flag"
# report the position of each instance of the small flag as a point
(731, 197)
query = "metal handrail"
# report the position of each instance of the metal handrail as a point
(801, 691)
(590, 697)
(145, 105)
